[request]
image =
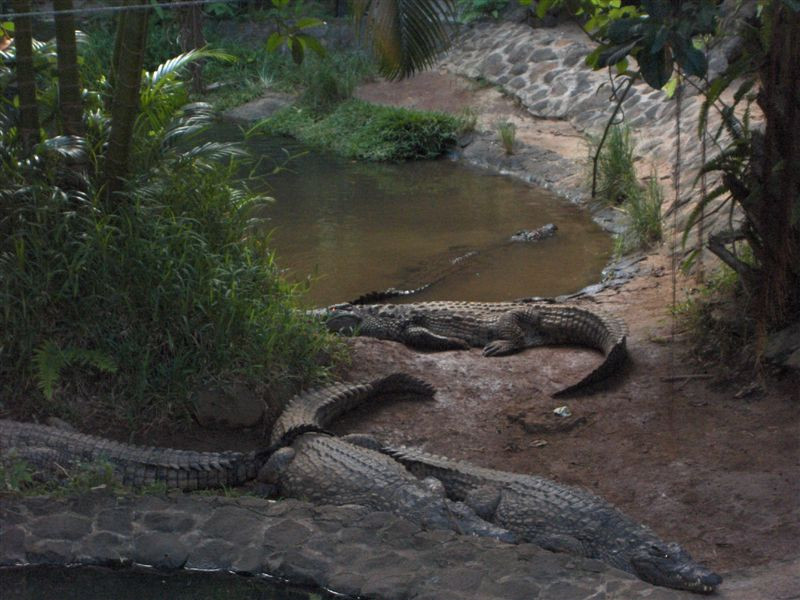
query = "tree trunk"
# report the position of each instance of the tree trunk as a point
(26, 77)
(191, 38)
(69, 81)
(127, 76)
(777, 213)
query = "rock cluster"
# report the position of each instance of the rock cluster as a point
(346, 549)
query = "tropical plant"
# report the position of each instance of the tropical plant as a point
(162, 281)
(407, 35)
(470, 10)
(661, 37)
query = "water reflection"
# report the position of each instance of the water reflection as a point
(358, 227)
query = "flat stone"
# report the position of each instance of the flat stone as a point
(105, 548)
(159, 550)
(12, 546)
(212, 554)
(298, 567)
(543, 54)
(347, 583)
(261, 108)
(61, 526)
(250, 560)
(286, 534)
(234, 524)
(494, 64)
(117, 520)
(50, 552)
(168, 522)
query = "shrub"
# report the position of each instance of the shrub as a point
(119, 310)
(471, 10)
(357, 129)
(616, 174)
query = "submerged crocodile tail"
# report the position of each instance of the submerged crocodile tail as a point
(132, 465)
(318, 408)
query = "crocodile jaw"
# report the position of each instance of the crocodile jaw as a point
(671, 566)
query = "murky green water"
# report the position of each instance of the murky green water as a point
(358, 227)
(87, 583)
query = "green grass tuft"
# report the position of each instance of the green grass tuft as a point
(357, 129)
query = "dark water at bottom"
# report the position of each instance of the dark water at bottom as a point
(89, 583)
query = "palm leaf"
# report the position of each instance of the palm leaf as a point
(407, 35)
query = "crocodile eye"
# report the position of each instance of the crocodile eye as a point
(658, 551)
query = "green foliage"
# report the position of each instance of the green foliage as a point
(21, 477)
(406, 35)
(289, 33)
(718, 317)
(508, 134)
(643, 207)
(170, 285)
(659, 35)
(49, 360)
(16, 474)
(357, 129)
(471, 10)
(618, 185)
(616, 173)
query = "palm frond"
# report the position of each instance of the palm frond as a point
(66, 146)
(407, 35)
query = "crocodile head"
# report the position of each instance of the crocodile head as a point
(343, 318)
(669, 565)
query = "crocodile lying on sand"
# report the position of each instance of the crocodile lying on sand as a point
(51, 449)
(322, 468)
(501, 328)
(558, 517)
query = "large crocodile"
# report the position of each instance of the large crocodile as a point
(559, 518)
(50, 448)
(53, 448)
(325, 469)
(499, 327)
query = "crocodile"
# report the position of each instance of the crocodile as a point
(501, 328)
(557, 517)
(322, 468)
(50, 449)
(455, 265)
(535, 235)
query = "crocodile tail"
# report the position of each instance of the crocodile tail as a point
(319, 407)
(387, 294)
(615, 357)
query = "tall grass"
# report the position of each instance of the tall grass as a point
(616, 173)
(619, 186)
(508, 135)
(119, 311)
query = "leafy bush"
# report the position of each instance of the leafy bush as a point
(471, 10)
(119, 310)
(357, 129)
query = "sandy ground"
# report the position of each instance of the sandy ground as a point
(696, 453)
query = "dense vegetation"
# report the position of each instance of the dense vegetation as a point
(126, 290)
(364, 131)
